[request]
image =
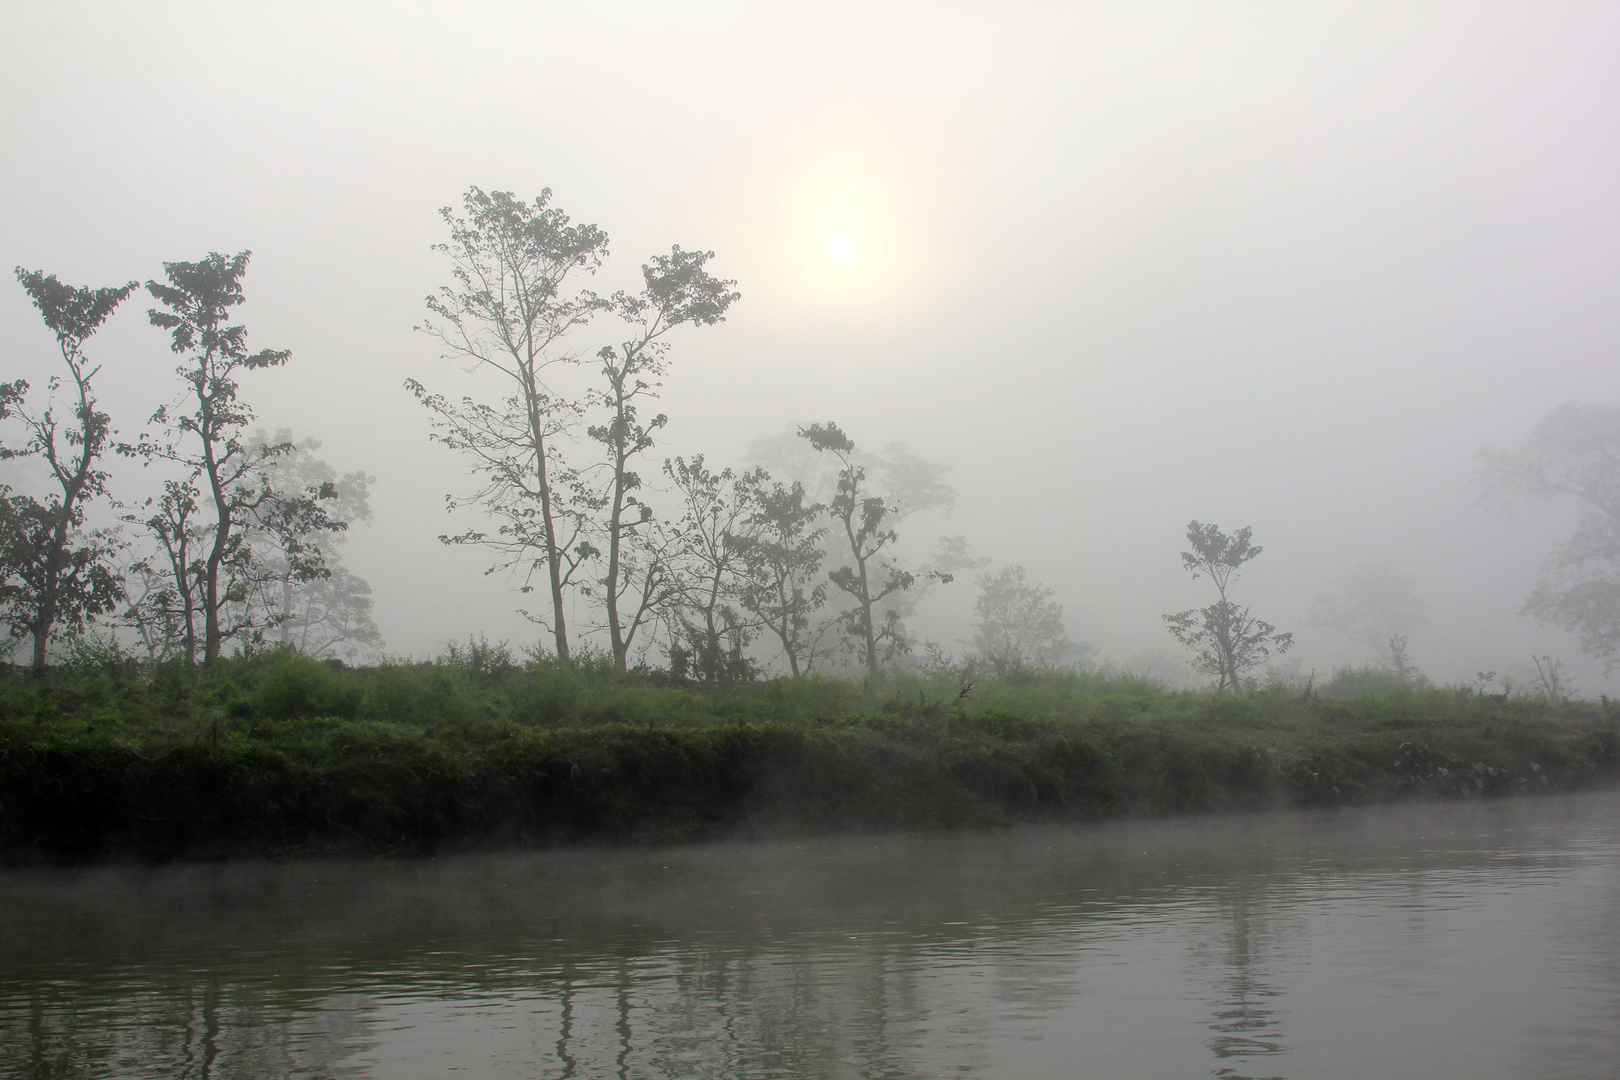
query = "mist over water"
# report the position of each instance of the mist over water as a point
(1117, 267)
(1458, 941)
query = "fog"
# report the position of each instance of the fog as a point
(1120, 266)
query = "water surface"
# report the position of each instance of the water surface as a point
(1472, 940)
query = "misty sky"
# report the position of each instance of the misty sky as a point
(1119, 266)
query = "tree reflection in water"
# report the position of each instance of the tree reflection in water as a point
(1271, 942)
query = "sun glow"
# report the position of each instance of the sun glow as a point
(843, 250)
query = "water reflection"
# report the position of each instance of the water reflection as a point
(1462, 941)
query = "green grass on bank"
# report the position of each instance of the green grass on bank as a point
(278, 753)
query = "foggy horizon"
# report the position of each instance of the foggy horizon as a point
(1117, 268)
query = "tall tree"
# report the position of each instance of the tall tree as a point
(784, 586)
(57, 576)
(1573, 453)
(202, 432)
(1225, 639)
(717, 526)
(677, 290)
(865, 523)
(508, 314)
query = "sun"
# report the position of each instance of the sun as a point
(843, 249)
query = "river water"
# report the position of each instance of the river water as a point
(1468, 940)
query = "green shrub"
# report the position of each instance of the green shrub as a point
(295, 686)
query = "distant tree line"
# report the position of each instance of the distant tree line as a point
(722, 570)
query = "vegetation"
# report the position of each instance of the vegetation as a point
(199, 703)
(53, 574)
(1573, 453)
(275, 752)
(1226, 640)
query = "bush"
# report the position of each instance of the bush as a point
(296, 686)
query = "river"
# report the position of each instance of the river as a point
(1468, 940)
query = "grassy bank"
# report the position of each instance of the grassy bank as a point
(279, 754)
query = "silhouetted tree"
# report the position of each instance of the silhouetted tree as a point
(783, 555)
(677, 290)
(711, 630)
(164, 610)
(202, 432)
(866, 523)
(1225, 639)
(1574, 452)
(507, 314)
(56, 576)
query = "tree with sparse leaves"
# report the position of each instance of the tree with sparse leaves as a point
(202, 432)
(872, 575)
(710, 625)
(1225, 639)
(677, 291)
(55, 576)
(509, 313)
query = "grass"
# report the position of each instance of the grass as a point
(276, 753)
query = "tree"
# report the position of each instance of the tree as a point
(1375, 602)
(328, 613)
(1019, 623)
(203, 434)
(714, 539)
(56, 576)
(866, 523)
(1225, 640)
(677, 290)
(783, 556)
(1574, 452)
(164, 613)
(507, 314)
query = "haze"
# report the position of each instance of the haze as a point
(1119, 267)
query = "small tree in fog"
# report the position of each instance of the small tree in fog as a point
(1017, 622)
(329, 613)
(54, 576)
(711, 626)
(677, 290)
(864, 522)
(1225, 639)
(1374, 602)
(507, 314)
(1574, 452)
(783, 555)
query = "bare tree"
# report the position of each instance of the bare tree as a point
(507, 313)
(677, 291)
(1225, 639)
(55, 575)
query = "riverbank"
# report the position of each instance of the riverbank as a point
(283, 756)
